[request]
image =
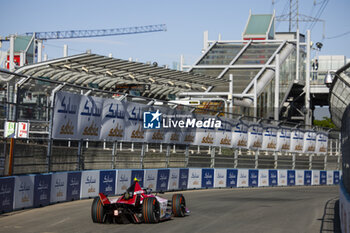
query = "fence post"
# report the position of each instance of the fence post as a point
(256, 159)
(141, 154)
(275, 155)
(79, 159)
(167, 155)
(325, 162)
(310, 161)
(338, 162)
(161, 148)
(212, 157)
(293, 160)
(186, 155)
(114, 153)
(235, 161)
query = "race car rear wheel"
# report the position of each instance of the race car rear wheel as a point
(179, 205)
(150, 210)
(98, 213)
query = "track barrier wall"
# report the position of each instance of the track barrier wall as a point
(38, 190)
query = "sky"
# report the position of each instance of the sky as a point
(186, 20)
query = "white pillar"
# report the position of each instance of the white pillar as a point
(110, 55)
(307, 81)
(22, 58)
(298, 54)
(205, 40)
(230, 97)
(45, 57)
(12, 52)
(181, 62)
(277, 87)
(40, 47)
(65, 50)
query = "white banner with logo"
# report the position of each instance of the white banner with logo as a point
(239, 135)
(282, 177)
(321, 143)
(309, 142)
(23, 192)
(112, 120)
(150, 180)
(174, 132)
(156, 135)
(269, 138)
(220, 177)
(255, 136)
(299, 177)
(297, 141)
(242, 178)
(315, 177)
(123, 181)
(194, 178)
(134, 131)
(90, 184)
(283, 139)
(58, 187)
(330, 179)
(223, 135)
(263, 178)
(173, 179)
(205, 135)
(66, 114)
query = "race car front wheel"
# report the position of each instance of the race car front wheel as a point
(179, 205)
(150, 210)
(98, 213)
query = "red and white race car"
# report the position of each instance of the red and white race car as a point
(137, 205)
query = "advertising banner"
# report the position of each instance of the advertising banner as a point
(24, 192)
(58, 187)
(283, 139)
(23, 130)
(207, 177)
(263, 178)
(299, 177)
(65, 117)
(107, 182)
(282, 177)
(90, 184)
(123, 181)
(183, 178)
(273, 177)
(253, 178)
(315, 177)
(321, 143)
(42, 189)
(297, 141)
(151, 179)
(174, 133)
(323, 177)
(138, 174)
(240, 135)
(194, 178)
(330, 178)
(336, 177)
(205, 136)
(220, 177)
(269, 138)
(112, 120)
(291, 177)
(73, 186)
(156, 134)
(255, 136)
(307, 177)
(7, 186)
(162, 179)
(309, 142)
(224, 134)
(89, 121)
(134, 131)
(173, 179)
(242, 180)
(232, 176)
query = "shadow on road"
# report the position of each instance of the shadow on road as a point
(330, 219)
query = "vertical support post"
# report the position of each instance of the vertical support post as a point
(330, 146)
(275, 155)
(198, 150)
(114, 154)
(65, 50)
(45, 57)
(22, 60)
(12, 142)
(12, 52)
(104, 144)
(132, 146)
(40, 48)
(325, 162)
(209, 150)
(255, 99)
(174, 149)
(87, 143)
(205, 40)
(220, 150)
(182, 62)
(79, 160)
(277, 88)
(69, 143)
(235, 161)
(338, 162)
(186, 155)
(161, 148)
(297, 58)
(307, 81)
(256, 159)
(147, 147)
(293, 160)
(230, 96)
(212, 157)
(142, 155)
(167, 156)
(121, 146)
(310, 161)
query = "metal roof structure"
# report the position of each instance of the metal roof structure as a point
(106, 72)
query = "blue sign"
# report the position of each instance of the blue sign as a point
(273, 178)
(336, 177)
(138, 174)
(291, 177)
(231, 178)
(73, 186)
(42, 190)
(207, 178)
(7, 186)
(183, 178)
(107, 182)
(152, 120)
(253, 178)
(162, 179)
(323, 177)
(307, 177)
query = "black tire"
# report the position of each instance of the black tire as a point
(150, 210)
(98, 213)
(179, 205)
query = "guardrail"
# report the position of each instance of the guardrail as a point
(19, 192)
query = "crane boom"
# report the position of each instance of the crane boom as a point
(69, 34)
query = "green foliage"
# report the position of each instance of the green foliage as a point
(326, 122)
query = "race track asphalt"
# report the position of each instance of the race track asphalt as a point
(279, 209)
